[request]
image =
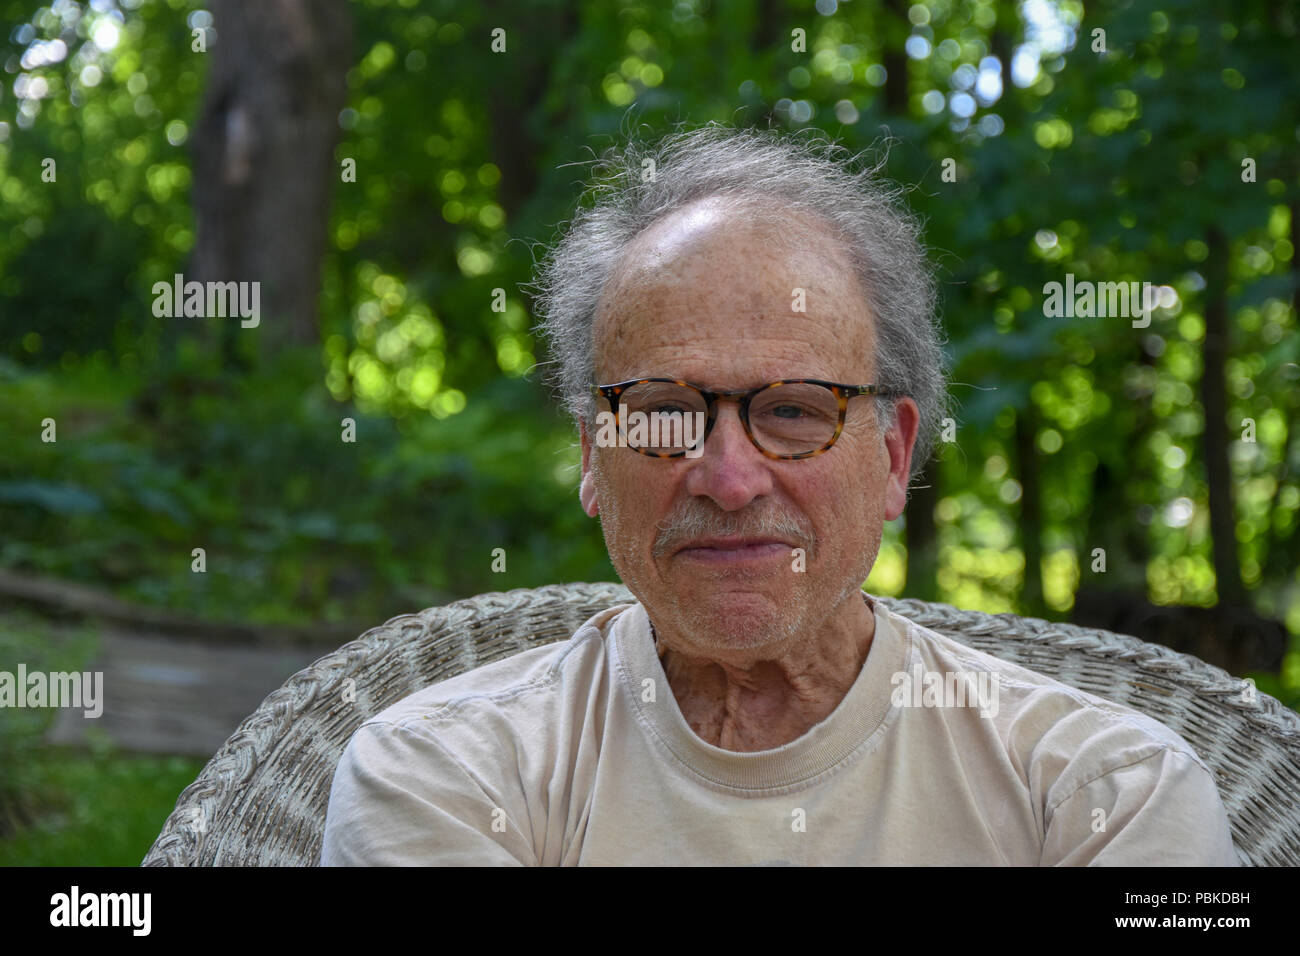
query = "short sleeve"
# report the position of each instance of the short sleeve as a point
(1163, 810)
(399, 798)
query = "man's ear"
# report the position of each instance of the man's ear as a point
(899, 441)
(587, 490)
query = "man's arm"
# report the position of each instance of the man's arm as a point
(399, 798)
(1163, 810)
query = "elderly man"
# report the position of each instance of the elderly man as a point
(755, 706)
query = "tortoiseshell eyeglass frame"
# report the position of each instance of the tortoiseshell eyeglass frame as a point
(611, 394)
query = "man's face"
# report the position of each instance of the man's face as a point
(708, 544)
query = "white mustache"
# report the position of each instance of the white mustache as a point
(700, 520)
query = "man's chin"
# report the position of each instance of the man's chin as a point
(736, 615)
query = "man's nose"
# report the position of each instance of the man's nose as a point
(731, 471)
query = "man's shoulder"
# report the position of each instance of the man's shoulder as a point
(429, 777)
(529, 677)
(1037, 712)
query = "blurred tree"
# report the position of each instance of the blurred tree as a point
(263, 151)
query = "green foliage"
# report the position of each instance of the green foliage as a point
(297, 524)
(1111, 166)
(103, 808)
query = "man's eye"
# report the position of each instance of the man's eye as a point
(787, 411)
(667, 408)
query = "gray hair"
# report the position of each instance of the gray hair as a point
(881, 238)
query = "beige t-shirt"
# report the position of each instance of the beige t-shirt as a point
(577, 753)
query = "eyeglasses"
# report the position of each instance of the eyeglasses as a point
(785, 420)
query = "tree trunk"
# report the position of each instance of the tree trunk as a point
(264, 164)
(896, 32)
(1223, 522)
(1032, 602)
(919, 536)
(514, 95)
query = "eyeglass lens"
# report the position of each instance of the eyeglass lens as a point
(787, 419)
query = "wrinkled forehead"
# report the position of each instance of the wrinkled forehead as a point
(725, 275)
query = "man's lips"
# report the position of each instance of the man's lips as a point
(732, 550)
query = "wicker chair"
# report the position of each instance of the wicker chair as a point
(262, 799)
